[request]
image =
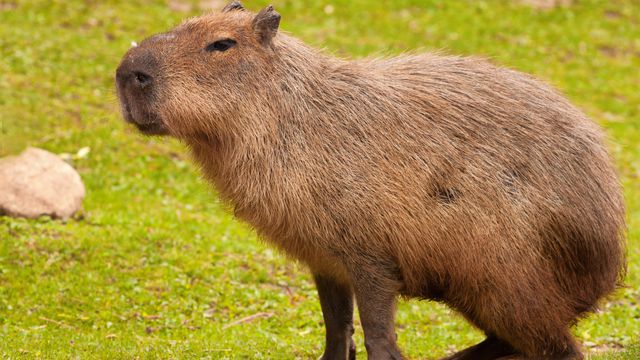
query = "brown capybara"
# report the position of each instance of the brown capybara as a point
(429, 176)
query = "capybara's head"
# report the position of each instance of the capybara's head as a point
(187, 81)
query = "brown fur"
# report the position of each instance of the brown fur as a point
(430, 176)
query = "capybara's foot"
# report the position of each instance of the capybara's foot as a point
(352, 350)
(573, 356)
(490, 349)
(332, 354)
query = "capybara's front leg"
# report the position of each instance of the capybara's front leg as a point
(336, 300)
(376, 300)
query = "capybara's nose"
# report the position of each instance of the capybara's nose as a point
(137, 69)
(141, 79)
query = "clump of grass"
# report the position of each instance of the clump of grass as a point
(155, 267)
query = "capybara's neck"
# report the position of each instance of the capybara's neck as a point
(258, 164)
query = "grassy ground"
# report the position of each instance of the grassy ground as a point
(155, 268)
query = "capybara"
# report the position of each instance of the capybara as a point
(429, 176)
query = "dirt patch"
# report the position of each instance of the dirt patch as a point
(594, 348)
(547, 4)
(612, 14)
(180, 6)
(6, 6)
(188, 6)
(608, 51)
(212, 5)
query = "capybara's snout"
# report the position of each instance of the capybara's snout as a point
(136, 82)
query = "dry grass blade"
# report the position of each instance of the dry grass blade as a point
(250, 318)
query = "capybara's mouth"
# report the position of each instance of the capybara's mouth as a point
(126, 112)
(152, 128)
(147, 122)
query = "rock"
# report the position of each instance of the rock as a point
(37, 183)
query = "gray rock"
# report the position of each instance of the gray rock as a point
(37, 183)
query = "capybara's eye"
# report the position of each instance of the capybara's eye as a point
(221, 45)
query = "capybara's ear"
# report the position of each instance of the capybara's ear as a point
(265, 24)
(233, 6)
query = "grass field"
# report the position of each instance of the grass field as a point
(155, 267)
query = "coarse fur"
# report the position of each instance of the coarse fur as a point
(430, 176)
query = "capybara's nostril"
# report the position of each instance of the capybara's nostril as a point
(141, 79)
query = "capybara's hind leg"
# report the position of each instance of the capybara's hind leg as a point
(546, 346)
(533, 317)
(336, 300)
(491, 348)
(565, 349)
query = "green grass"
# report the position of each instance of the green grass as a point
(155, 267)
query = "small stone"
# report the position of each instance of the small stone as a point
(37, 183)
(329, 9)
(83, 152)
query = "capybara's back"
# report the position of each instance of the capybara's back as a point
(494, 178)
(430, 176)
